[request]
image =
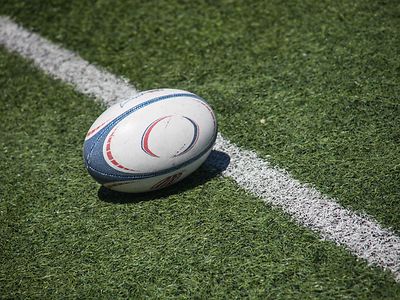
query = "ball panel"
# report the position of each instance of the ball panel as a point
(148, 138)
(156, 182)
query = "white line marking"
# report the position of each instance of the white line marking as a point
(63, 64)
(360, 234)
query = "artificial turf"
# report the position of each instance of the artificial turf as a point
(63, 237)
(311, 85)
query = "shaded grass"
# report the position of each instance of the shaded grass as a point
(323, 76)
(59, 240)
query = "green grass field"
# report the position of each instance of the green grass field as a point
(324, 76)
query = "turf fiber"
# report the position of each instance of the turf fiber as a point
(311, 85)
(323, 78)
(62, 236)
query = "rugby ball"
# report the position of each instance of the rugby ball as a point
(150, 141)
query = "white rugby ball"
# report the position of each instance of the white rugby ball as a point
(150, 141)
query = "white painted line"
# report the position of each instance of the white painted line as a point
(63, 64)
(360, 234)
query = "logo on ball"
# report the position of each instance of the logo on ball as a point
(166, 129)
